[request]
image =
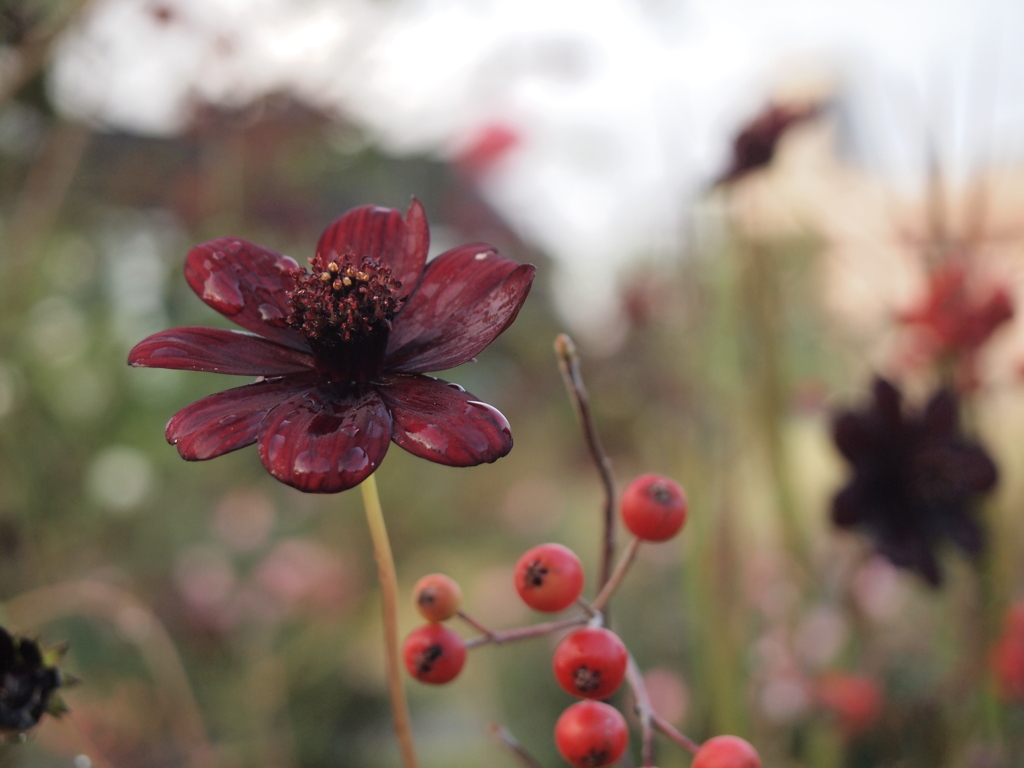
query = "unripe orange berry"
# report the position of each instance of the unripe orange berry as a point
(437, 597)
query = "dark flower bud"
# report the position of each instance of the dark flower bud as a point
(29, 679)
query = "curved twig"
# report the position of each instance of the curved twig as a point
(569, 364)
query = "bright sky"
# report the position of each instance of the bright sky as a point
(624, 108)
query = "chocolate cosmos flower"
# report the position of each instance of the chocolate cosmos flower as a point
(915, 479)
(340, 353)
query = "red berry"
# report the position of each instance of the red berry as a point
(855, 700)
(437, 597)
(434, 654)
(591, 663)
(726, 752)
(590, 734)
(549, 577)
(1007, 656)
(654, 507)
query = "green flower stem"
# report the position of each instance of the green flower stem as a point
(389, 598)
(763, 301)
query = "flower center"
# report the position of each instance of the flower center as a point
(345, 313)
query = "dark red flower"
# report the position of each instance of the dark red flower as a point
(341, 353)
(915, 479)
(955, 318)
(754, 146)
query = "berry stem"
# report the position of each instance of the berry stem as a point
(525, 633)
(666, 728)
(592, 612)
(389, 598)
(643, 710)
(507, 740)
(620, 572)
(475, 624)
(569, 364)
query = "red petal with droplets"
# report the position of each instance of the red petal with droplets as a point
(327, 439)
(229, 420)
(218, 351)
(466, 298)
(442, 422)
(248, 284)
(380, 233)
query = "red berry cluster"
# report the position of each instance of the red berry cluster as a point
(590, 662)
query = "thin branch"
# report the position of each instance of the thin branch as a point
(620, 571)
(569, 364)
(525, 633)
(592, 612)
(644, 711)
(666, 728)
(507, 740)
(486, 631)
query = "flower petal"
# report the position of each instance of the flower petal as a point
(219, 351)
(466, 298)
(327, 439)
(855, 435)
(887, 403)
(229, 420)
(442, 422)
(848, 506)
(248, 284)
(381, 233)
(941, 418)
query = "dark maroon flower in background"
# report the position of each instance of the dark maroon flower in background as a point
(754, 147)
(341, 353)
(915, 479)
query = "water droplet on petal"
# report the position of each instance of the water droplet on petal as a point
(456, 387)
(228, 420)
(287, 265)
(311, 462)
(495, 414)
(482, 255)
(221, 291)
(355, 460)
(274, 447)
(428, 435)
(271, 314)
